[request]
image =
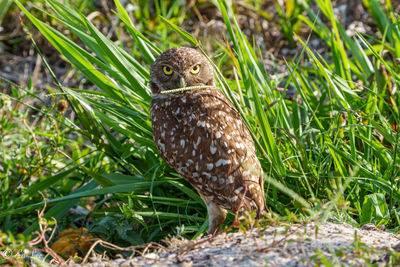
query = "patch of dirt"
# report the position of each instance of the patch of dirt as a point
(294, 245)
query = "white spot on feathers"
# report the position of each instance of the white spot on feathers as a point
(246, 173)
(233, 199)
(197, 142)
(201, 123)
(213, 149)
(229, 180)
(177, 111)
(206, 174)
(237, 191)
(240, 145)
(161, 145)
(222, 162)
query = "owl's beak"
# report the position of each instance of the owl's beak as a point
(182, 82)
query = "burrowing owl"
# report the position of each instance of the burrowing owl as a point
(200, 134)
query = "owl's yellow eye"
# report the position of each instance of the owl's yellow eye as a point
(167, 70)
(195, 69)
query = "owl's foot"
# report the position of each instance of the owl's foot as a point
(235, 223)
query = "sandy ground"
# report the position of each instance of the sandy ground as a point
(294, 245)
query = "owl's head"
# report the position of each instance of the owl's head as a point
(180, 67)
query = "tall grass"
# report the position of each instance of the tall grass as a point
(331, 152)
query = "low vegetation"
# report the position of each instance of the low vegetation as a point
(329, 153)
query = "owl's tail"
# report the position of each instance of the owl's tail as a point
(263, 209)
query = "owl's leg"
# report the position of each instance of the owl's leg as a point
(236, 222)
(216, 216)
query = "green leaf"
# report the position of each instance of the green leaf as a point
(374, 209)
(124, 188)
